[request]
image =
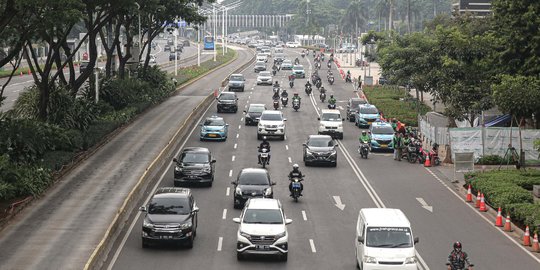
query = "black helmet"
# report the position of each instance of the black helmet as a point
(457, 245)
(331, 96)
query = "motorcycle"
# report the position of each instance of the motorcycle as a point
(318, 65)
(296, 104)
(296, 188)
(318, 84)
(276, 89)
(291, 84)
(411, 153)
(276, 104)
(363, 150)
(274, 72)
(322, 96)
(450, 267)
(329, 65)
(303, 55)
(308, 90)
(331, 80)
(284, 101)
(332, 106)
(296, 61)
(263, 154)
(348, 78)
(322, 57)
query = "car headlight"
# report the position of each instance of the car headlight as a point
(207, 170)
(246, 235)
(147, 224)
(177, 168)
(410, 260)
(309, 152)
(281, 125)
(369, 259)
(268, 192)
(333, 153)
(283, 234)
(238, 191)
(186, 225)
(340, 125)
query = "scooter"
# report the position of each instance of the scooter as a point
(322, 96)
(296, 104)
(332, 106)
(329, 65)
(318, 84)
(296, 188)
(274, 72)
(308, 90)
(303, 55)
(291, 84)
(331, 80)
(348, 78)
(276, 104)
(363, 150)
(284, 101)
(263, 154)
(275, 89)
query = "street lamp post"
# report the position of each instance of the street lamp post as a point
(140, 32)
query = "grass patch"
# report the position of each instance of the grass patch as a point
(186, 74)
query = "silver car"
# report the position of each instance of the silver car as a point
(264, 77)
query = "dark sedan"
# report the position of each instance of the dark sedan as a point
(253, 114)
(252, 183)
(320, 149)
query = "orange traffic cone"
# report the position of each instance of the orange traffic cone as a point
(508, 224)
(215, 92)
(498, 221)
(478, 200)
(21, 73)
(535, 246)
(427, 163)
(29, 72)
(527, 237)
(482, 204)
(469, 194)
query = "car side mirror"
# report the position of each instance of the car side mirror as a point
(195, 209)
(228, 124)
(245, 111)
(273, 183)
(236, 220)
(213, 161)
(416, 240)
(305, 145)
(284, 119)
(175, 160)
(288, 221)
(360, 239)
(234, 183)
(336, 145)
(318, 118)
(142, 209)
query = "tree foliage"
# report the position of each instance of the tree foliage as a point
(518, 95)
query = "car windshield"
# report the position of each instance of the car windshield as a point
(388, 237)
(214, 122)
(279, 55)
(169, 206)
(287, 61)
(253, 178)
(320, 142)
(227, 97)
(356, 102)
(271, 117)
(236, 78)
(369, 110)
(265, 74)
(259, 65)
(386, 130)
(193, 157)
(331, 117)
(257, 109)
(298, 68)
(263, 216)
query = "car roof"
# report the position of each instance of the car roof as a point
(215, 117)
(227, 93)
(196, 149)
(382, 124)
(253, 170)
(384, 217)
(298, 66)
(271, 112)
(167, 192)
(357, 99)
(256, 105)
(320, 137)
(263, 203)
(367, 105)
(237, 74)
(329, 111)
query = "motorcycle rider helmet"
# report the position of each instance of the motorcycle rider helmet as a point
(296, 94)
(295, 167)
(264, 139)
(364, 132)
(331, 96)
(457, 246)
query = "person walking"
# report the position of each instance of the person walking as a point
(397, 143)
(359, 82)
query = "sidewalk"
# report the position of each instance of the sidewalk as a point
(345, 62)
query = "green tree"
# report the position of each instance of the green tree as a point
(518, 95)
(355, 18)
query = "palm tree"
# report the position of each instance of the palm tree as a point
(354, 18)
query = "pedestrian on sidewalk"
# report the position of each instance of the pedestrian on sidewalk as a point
(359, 82)
(397, 143)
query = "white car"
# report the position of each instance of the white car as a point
(331, 123)
(262, 57)
(262, 229)
(271, 123)
(264, 77)
(292, 44)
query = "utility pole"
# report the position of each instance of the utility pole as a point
(215, 26)
(409, 16)
(308, 11)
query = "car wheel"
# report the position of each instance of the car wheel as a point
(144, 244)
(236, 206)
(334, 164)
(190, 241)
(282, 138)
(210, 183)
(239, 256)
(218, 110)
(284, 257)
(341, 136)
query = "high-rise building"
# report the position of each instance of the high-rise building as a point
(478, 8)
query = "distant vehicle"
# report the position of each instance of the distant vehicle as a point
(227, 102)
(83, 66)
(261, 57)
(259, 66)
(172, 55)
(186, 43)
(279, 57)
(382, 134)
(237, 82)
(367, 114)
(331, 123)
(286, 64)
(320, 149)
(352, 107)
(209, 43)
(292, 44)
(194, 165)
(264, 77)
(271, 123)
(214, 128)
(299, 71)
(167, 47)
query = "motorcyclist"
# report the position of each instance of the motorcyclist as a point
(276, 84)
(284, 93)
(296, 61)
(307, 84)
(296, 97)
(275, 96)
(322, 90)
(295, 173)
(264, 144)
(458, 258)
(332, 100)
(394, 124)
(364, 137)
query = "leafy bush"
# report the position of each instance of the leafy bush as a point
(121, 93)
(490, 160)
(54, 160)
(526, 214)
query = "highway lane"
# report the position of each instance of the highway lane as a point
(19, 83)
(61, 229)
(319, 227)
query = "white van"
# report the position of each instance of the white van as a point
(331, 123)
(384, 240)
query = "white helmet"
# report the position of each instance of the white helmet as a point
(295, 166)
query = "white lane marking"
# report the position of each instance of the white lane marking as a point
(339, 204)
(233, 157)
(219, 243)
(304, 215)
(239, 126)
(482, 216)
(241, 119)
(228, 192)
(230, 173)
(245, 106)
(312, 246)
(290, 160)
(287, 147)
(235, 145)
(237, 135)
(425, 205)
(224, 216)
(249, 97)
(285, 137)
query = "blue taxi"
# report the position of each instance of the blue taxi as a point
(214, 128)
(382, 134)
(366, 115)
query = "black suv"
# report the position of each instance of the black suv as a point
(253, 114)
(171, 216)
(320, 149)
(352, 107)
(252, 183)
(227, 102)
(194, 165)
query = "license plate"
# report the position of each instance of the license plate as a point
(166, 237)
(271, 132)
(262, 247)
(212, 135)
(384, 145)
(296, 185)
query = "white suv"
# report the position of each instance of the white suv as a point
(271, 123)
(331, 123)
(262, 229)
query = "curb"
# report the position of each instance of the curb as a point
(99, 255)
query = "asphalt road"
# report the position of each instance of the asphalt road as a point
(61, 230)
(18, 83)
(321, 236)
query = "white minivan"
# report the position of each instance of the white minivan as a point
(331, 123)
(384, 240)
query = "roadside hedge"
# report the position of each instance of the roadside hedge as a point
(395, 102)
(510, 190)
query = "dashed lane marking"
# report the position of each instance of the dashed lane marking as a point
(312, 244)
(219, 243)
(304, 215)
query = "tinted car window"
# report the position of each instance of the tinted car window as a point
(265, 73)
(356, 102)
(382, 130)
(331, 117)
(169, 206)
(214, 122)
(389, 237)
(236, 78)
(271, 117)
(195, 157)
(321, 142)
(256, 109)
(263, 216)
(253, 178)
(227, 97)
(368, 110)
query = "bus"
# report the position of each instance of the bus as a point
(208, 43)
